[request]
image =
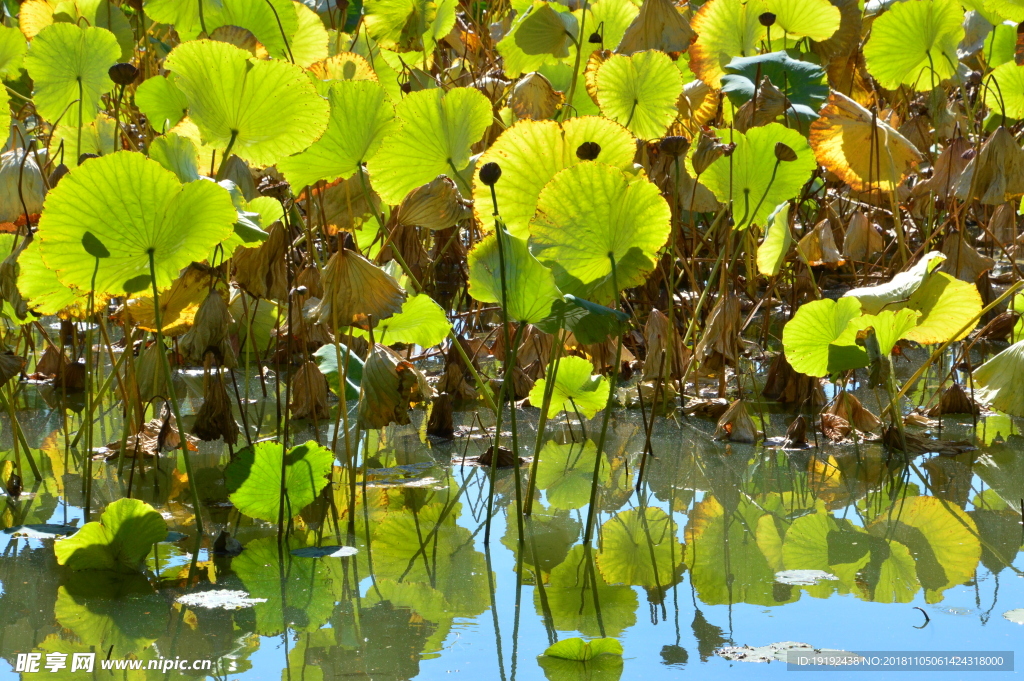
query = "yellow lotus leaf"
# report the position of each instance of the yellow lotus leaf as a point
(178, 304)
(343, 66)
(725, 29)
(857, 146)
(355, 290)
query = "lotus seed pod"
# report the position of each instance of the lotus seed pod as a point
(784, 153)
(595, 38)
(490, 173)
(707, 152)
(766, 19)
(588, 151)
(674, 146)
(123, 74)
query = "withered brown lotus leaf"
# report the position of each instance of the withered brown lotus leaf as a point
(309, 277)
(736, 425)
(709, 409)
(954, 400)
(522, 384)
(241, 38)
(345, 207)
(721, 331)
(916, 444)
(708, 150)
(658, 26)
(11, 365)
(919, 420)
(698, 106)
(506, 459)
(178, 305)
(214, 419)
(996, 174)
(859, 148)
(962, 260)
(848, 407)
(534, 98)
(835, 428)
(261, 272)
(158, 435)
(848, 74)
(390, 386)
(796, 434)
(863, 239)
(787, 385)
(209, 332)
(71, 377)
(441, 422)
(356, 289)
(769, 104)
(946, 171)
(666, 357)
(149, 373)
(1000, 326)
(594, 62)
(309, 393)
(818, 247)
(1002, 226)
(50, 362)
(436, 205)
(457, 379)
(9, 281)
(847, 36)
(13, 484)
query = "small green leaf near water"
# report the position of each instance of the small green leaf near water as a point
(254, 478)
(582, 651)
(120, 541)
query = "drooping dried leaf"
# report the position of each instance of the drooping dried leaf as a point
(962, 260)
(441, 422)
(946, 171)
(214, 419)
(849, 408)
(390, 386)
(847, 36)
(209, 332)
(309, 393)
(1002, 226)
(158, 435)
(261, 271)
(178, 305)
(996, 174)
(769, 104)
(666, 357)
(860, 148)
(787, 385)
(863, 239)
(736, 424)
(11, 365)
(698, 106)
(534, 98)
(835, 428)
(436, 205)
(954, 400)
(356, 289)
(818, 247)
(658, 26)
(720, 334)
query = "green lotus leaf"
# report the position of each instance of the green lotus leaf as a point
(184, 16)
(162, 102)
(1004, 90)
(361, 117)
(253, 479)
(421, 322)
(1000, 44)
(745, 177)
(177, 154)
(265, 110)
(566, 472)
(531, 153)
(308, 45)
(814, 19)
(576, 389)
(874, 299)
(99, 13)
(581, 651)
(12, 52)
(5, 112)
(640, 92)
(570, 594)
(115, 612)
(1009, 10)
(589, 322)
(531, 289)
(134, 207)
(515, 61)
(997, 382)
(942, 538)
(409, 24)
(777, 241)
(725, 29)
(914, 43)
(820, 340)
(66, 61)
(549, 534)
(326, 359)
(120, 541)
(40, 286)
(615, 17)
(640, 549)
(890, 326)
(590, 215)
(304, 601)
(947, 305)
(803, 83)
(273, 22)
(547, 31)
(96, 138)
(438, 131)
(725, 561)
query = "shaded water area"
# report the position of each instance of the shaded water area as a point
(921, 553)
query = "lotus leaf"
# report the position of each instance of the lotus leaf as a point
(820, 340)
(575, 389)
(639, 547)
(997, 382)
(253, 478)
(725, 29)
(777, 241)
(120, 541)
(531, 289)
(566, 471)
(914, 43)
(409, 24)
(162, 102)
(12, 52)
(640, 92)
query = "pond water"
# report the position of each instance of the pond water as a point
(913, 554)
